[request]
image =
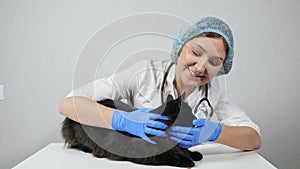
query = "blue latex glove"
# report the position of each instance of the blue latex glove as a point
(139, 123)
(204, 130)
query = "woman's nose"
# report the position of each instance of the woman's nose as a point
(200, 66)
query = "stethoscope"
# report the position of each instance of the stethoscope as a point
(204, 104)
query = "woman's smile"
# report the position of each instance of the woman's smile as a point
(193, 76)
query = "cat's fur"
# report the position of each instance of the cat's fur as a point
(114, 145)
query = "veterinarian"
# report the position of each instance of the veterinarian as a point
(202, 54)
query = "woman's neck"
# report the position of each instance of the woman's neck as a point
(180, 88)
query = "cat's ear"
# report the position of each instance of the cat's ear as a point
(182, 96)
(170, 98)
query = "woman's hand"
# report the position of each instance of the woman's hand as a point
(203, 130)
(139, 123)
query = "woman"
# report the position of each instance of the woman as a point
(201, 55)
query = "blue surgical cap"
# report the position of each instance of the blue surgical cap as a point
(204, 25)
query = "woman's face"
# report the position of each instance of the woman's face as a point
(199, 61)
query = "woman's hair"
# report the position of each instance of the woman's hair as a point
(214, 35)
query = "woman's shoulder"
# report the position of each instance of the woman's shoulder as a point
(145, 69)
(162, 64)
(152, 71)
(149, 66)
(218, 83)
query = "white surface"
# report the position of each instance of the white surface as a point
(1, 92)
(40, 42)
(56, 156)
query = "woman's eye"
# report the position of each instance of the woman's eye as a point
(215, 62)
(197, 53)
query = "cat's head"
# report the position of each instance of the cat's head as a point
(177, 110)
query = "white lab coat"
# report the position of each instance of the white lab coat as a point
(140, 85)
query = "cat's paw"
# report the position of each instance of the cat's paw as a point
(196, 156)
(184, 161)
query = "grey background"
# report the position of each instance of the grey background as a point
(40, 44)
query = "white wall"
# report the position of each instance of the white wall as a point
(40, 42)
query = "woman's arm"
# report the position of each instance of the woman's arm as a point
(80, 106)
(139, 122)
(241, 137)
(86, 111)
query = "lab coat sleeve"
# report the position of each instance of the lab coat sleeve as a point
(99, 89)
(121, 85)
(230, 114)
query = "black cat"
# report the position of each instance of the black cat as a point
(121, 146)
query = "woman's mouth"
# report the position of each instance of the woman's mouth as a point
(194, 74)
